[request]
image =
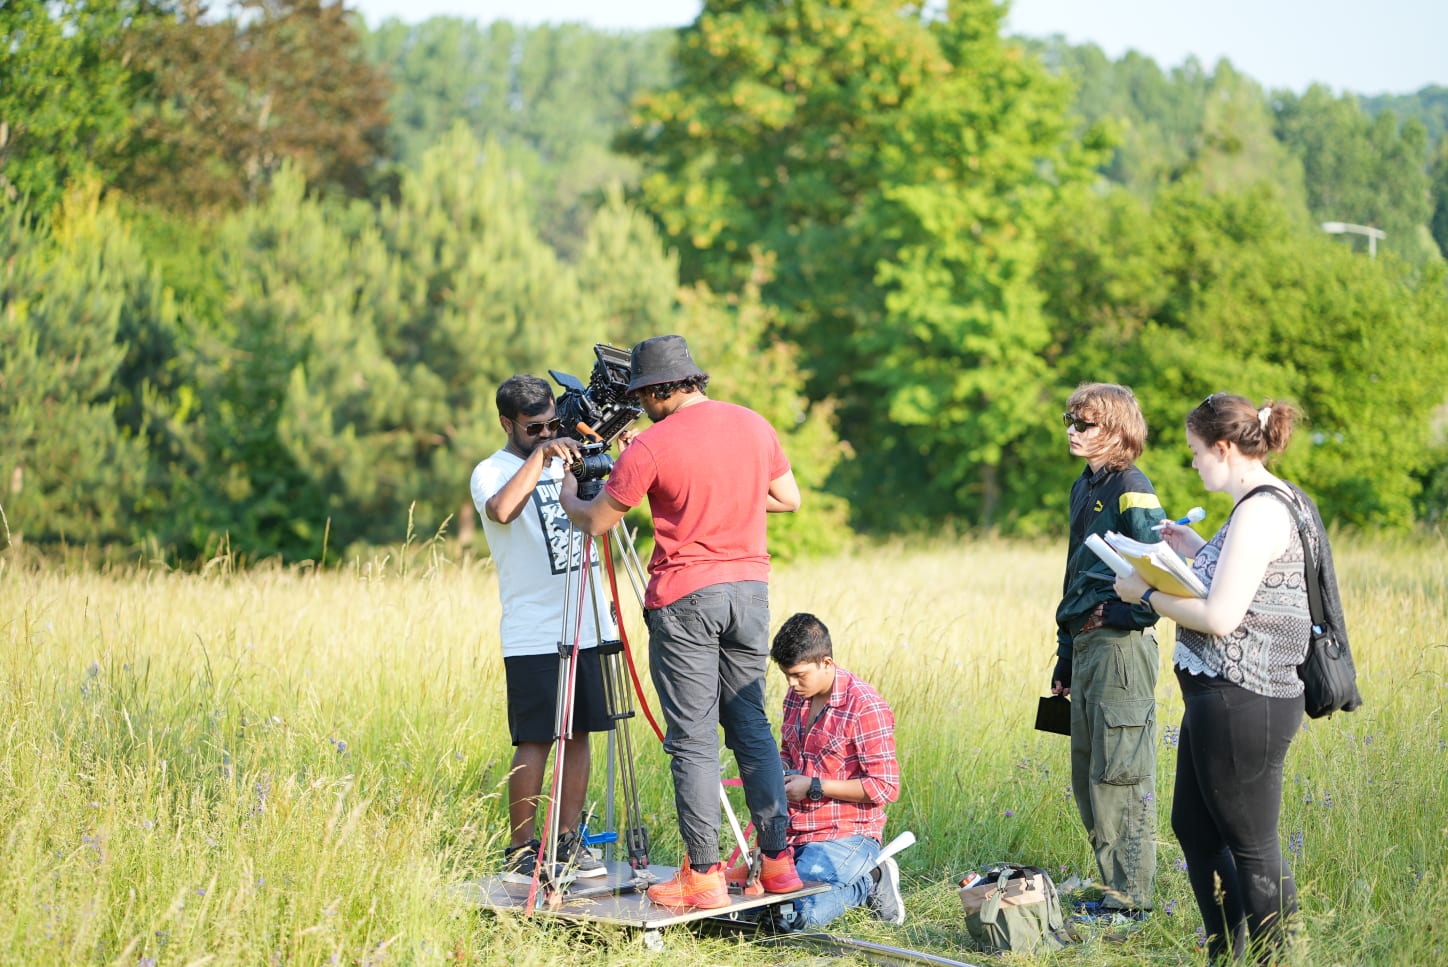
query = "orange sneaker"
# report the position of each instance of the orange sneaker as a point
(690, 889)
(737, 876)
(779, 875)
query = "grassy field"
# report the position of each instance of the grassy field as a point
(287, 767)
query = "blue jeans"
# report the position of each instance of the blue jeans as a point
(708, 653)
(844, 864)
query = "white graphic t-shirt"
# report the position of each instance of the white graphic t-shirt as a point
(533, 555)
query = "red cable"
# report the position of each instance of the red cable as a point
(623, 636)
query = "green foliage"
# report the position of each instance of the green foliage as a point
(228, 101)
(371, 343)
(1438, 223)
(1156, 116)
(1429, 105)
(551, 97)
(65, 93)
(1236, 148)
(894, 167)
(1360, 168)
(357, 392)
(70, 469)
(881, 215)
(1204, 292)
(731, 337)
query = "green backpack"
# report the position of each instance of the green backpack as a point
(1015, 908)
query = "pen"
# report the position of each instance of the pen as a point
(1193, 515)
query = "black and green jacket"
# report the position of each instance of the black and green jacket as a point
(1107, 500)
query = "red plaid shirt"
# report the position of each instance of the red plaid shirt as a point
(853, 738)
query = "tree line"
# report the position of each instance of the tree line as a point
(261, 268)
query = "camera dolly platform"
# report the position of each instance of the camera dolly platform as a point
(619, 898)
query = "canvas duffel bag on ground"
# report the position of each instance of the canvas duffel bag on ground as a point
(1015, 908)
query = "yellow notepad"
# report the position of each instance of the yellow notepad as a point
(1161, 567)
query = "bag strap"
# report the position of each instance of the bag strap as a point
(1314, 582)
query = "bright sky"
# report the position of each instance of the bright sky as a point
(1373, 47)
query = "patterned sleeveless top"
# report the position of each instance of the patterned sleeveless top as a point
(1262, 655)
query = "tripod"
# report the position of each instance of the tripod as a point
(584, 595)
(582, 591)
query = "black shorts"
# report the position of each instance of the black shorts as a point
(533, 696)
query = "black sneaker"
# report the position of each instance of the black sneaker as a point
(519, 862)
(885, 900)
(572, 851)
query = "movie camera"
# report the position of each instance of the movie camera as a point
(596, 414)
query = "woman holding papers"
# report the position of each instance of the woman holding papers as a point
(1236, 658)
(1106, 649)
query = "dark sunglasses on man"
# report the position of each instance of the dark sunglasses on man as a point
(533, 429)
(1076, 423)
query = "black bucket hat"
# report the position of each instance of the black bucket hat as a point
(660, 359)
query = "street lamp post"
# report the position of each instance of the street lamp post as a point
(1373, 234)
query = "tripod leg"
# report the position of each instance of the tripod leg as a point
(609, 813)
(548, 869)
(733, 821)
(620, 710)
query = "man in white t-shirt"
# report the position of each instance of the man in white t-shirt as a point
(533, 546)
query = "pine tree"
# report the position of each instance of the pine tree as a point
(68, 471)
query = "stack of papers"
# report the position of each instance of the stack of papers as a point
(1159, 565)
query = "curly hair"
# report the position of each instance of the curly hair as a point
(662, 391)
(1114, 409)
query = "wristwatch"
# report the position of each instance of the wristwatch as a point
(816, 791)
(1146, 598)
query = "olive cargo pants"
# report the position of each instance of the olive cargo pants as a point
(1113, 757)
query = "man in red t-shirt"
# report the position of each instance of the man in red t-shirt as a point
(711, 471)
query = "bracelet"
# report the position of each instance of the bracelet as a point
(1146, 599)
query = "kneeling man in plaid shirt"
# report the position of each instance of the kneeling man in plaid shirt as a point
(837, 744)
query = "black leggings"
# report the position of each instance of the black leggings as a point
(1225, 810)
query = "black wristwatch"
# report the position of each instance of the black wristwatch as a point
(1146, 598)
(816, 791)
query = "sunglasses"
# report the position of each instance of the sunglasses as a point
(533, 429)
(1076, 423)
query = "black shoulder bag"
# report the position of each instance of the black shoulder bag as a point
(1329, 677)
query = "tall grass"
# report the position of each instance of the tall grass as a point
(292, 767)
